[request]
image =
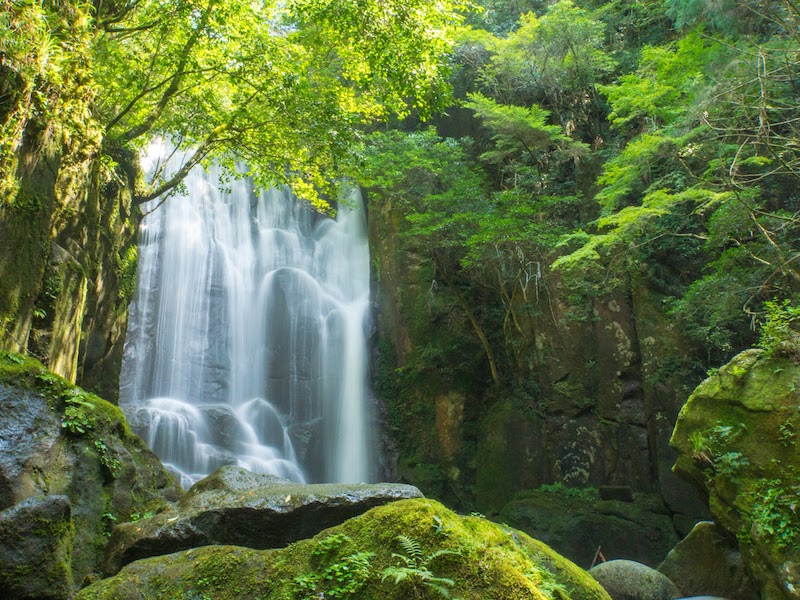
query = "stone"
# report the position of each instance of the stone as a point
(576, 522)
(708, 561)
(737, 440)
(483, 560)
(36, 538)
(235, 506)
(629, 580)
(106, 472)
(616, 492)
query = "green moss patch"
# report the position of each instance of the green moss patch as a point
(65, 441)
(736, 437)
(360, 559)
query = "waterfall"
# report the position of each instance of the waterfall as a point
(247, 335)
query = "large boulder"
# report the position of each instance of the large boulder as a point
(576, 522)
(629, 580)
(708, 562)
(471, 557)
(737, 439)
(235, 506)
(36, 539)
(58, 441)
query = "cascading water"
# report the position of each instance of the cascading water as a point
(247, 335)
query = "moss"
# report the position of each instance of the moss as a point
(127, 262)
(486, 560)
(26, 372)
(735, 438)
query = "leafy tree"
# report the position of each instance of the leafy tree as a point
(555, 60)
(281, 86)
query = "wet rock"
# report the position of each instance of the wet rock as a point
(35, 545)
(235, 506)
(629, 580)
(708, 561)
(57, 441)
(483, 559)
(576, 522)
(616, 492)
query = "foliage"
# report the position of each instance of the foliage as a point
(781, 329)
(77, 414)
(712, 449)
(414, 569)
(336, 577)
(571, 492)
(43, 79)
(127, 262)
(775, 511)
(108, 459)
(279, 85)
(556, 59)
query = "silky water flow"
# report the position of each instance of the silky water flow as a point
(247, 335)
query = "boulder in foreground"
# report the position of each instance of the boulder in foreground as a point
(469, 557)
(69, 468)
(630, 580)
(234, 506)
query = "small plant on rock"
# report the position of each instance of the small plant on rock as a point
(780, 333)
(76, 418)
(335, 577)
(415, 571)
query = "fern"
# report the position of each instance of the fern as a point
(415, 570)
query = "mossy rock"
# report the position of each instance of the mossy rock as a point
(576, 522)
(483, 560)
(708, 562)
(235, 506)
(737, 437)
(36, 539)
(59, 440)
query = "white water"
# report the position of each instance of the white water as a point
(247, 336)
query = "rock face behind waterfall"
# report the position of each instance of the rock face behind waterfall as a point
(69, 466)
(235, 506)
(738, 438)
(470, 557)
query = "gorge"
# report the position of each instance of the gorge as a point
(568, 304)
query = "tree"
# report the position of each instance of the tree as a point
(281, 86)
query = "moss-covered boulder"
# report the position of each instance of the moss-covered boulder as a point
(235, 506)
(576, 522)
(58, 440)
(738, 438)
(469, 556)
(708, 562)
(36, 539)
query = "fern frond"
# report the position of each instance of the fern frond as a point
(445, 592)
(411, 547)
(399, 574)
(438, 553)
(409, 563)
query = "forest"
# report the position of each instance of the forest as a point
(581, 348)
